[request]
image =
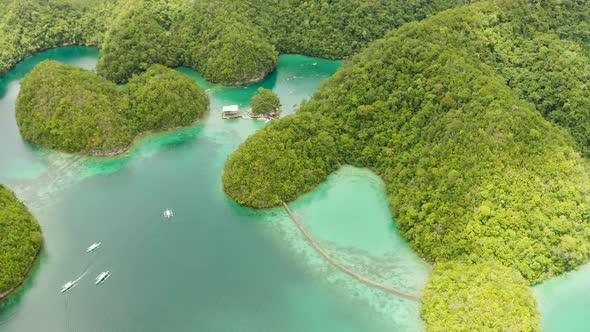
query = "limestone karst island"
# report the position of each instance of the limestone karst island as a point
(263, 165)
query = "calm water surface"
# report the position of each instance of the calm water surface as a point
(564, 301)
(215, 266)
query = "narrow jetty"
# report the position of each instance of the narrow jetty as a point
(343, 268)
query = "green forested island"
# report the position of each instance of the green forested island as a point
(74, 110)
(20, 241)
(264, 101)
(71, 109)
(477, 118)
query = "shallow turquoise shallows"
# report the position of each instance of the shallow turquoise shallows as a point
(214, 266)
(564, 302)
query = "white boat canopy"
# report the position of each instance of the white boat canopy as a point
(230, 109)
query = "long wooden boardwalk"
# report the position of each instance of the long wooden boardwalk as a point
(343, 268)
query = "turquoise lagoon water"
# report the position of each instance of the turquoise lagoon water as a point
(215, 266)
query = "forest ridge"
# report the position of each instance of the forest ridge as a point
(230, 42)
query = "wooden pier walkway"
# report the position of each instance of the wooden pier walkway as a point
(343, 268)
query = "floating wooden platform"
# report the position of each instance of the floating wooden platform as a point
(226, 115)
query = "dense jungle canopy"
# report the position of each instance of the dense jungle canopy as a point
(74, 110)
(229, 42)
(477, 121)
(20, 240)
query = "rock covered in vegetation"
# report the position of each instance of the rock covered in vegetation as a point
(163, 98)
(74, 110)
(481, 297)
(20, 241)
(70, 109)
(264, 101)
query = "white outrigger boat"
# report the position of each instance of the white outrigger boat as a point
(67, 286)
(94, 246)
(102, 277)
(168, 214)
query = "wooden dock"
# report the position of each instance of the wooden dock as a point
(343, 268)
(234, 113)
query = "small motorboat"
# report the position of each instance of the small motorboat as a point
(67, 286)
(94, 246)
(102, 277)
(168, 214)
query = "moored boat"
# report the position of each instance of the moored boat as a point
(67, 286)
(94, 246)
(102, 277)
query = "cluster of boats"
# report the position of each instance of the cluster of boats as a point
(97, 281)
(103, 275)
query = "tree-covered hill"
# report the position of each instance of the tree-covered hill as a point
(20, 241)
(74, 110)
(30, 26)
(476, 119)
(162, 98)
(457, 293)
(136, 40)
(71, 109)
(229, 42)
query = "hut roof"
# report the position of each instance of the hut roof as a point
(230, 109)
